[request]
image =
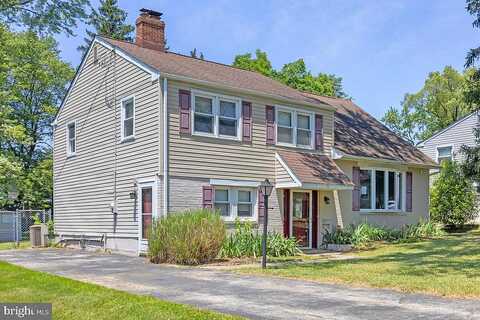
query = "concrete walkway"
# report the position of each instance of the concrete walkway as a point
(249, 296)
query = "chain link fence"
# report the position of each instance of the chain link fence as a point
(15, 225)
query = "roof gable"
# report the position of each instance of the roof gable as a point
(453, 125)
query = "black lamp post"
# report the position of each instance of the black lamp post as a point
(266, 188)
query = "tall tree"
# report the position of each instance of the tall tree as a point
(108, 21)
(438, 104)
(294, 74)
(33, 81)
(44, 16)
(196, 55)
(471, 163)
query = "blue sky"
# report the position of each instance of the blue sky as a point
(381, 49)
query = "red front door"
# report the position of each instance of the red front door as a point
(301, 218)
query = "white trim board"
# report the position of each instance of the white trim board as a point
(235, 183)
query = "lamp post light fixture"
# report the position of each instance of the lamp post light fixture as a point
(266, 188)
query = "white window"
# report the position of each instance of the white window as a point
(71, 138)
(128, 118)
(233, 203)
(294, 128)
(444, 154)
(216, 116)
(381, 190)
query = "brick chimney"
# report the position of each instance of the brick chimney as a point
(150, 31)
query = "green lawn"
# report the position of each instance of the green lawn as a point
(12, 245)
(449, 266)
(78, 300)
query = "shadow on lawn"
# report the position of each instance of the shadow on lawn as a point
(452, 255)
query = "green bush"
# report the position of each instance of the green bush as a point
(364, 234)
(245, 242)
(191, 237)
(452, 198)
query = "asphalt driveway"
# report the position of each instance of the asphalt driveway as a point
(249, 296)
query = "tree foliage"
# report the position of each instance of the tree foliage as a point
(471, 163)
(452, 198)
(438, 104)
(108, 21)
(33, 82)
(44, 16)
(294, 74)
(196, 55)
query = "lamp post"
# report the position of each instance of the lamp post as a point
(266, 188)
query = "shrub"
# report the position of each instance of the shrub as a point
(191, 237)
(245, 242)
(364, 234)
(453, 198)
(36, 219)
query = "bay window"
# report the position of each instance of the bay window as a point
(294, 128)
(381, 190)
(215, 115)
(233, 203)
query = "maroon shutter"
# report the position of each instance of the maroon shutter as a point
(270, 124)
(409, 188)
(247, 121)
(318, 132)
(207, 197)
(356, 189)
(185, 107)
(286, 213)
(314, 219)
(261, 206)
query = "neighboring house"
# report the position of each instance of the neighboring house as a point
(446, 144)
(143, 133)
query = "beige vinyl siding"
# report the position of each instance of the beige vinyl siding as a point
(205, 157)
(84, 183)
(282, 175)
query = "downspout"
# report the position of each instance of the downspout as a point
(165, 147)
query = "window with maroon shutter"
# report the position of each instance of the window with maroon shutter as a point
(356, 189)
(319, 132)
(247, 121)
(270, 124)
(184, 98)
(261, 206)
(409, 191)
(207, 197)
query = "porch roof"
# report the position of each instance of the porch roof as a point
(309, 171)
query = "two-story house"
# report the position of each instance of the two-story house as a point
(144, 133)
(446, 144)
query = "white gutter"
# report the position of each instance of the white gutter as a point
(165, 146)
(249, 92)
(387, 161)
